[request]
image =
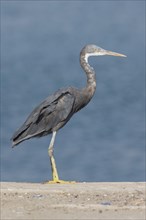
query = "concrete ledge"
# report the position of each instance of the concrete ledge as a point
(73, 201)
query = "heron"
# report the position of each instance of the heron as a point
(57, 109)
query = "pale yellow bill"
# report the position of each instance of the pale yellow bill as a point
(115, 54)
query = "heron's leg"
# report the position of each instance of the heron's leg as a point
(52, 159)
(53, 164)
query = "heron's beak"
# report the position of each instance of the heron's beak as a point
(107, 52)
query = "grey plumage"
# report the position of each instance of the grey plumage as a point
(54, 112)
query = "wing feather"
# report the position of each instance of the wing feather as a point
(50, 115)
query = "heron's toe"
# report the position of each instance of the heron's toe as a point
(58, 182)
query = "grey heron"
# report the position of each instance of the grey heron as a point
(56, 110)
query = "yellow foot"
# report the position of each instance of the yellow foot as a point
(59, 182)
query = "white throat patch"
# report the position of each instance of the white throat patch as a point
(92, 54)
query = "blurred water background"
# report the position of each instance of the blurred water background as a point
(40, 45)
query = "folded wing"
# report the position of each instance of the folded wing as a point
(52, 114)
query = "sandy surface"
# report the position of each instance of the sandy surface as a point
(73, 201)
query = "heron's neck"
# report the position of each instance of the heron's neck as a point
(91, 76)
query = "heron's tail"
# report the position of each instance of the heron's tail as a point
(26, 132)
(19, 136)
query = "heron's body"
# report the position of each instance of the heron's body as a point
(55, 111)
(52, 114)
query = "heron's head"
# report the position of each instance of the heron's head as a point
(93, 50)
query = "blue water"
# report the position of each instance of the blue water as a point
(40, 45)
